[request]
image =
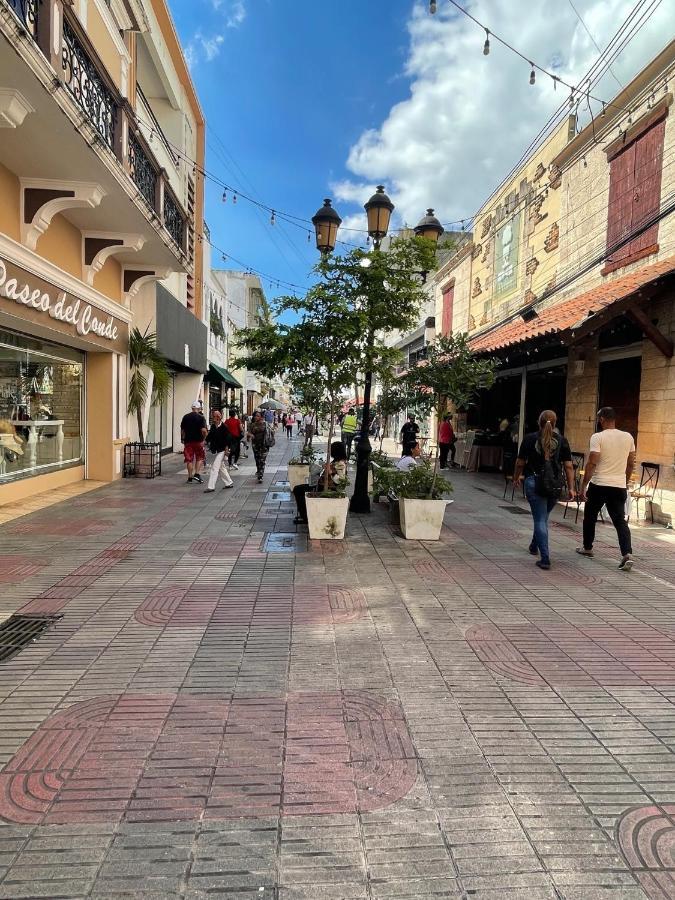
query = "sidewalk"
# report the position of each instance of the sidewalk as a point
(227, 709)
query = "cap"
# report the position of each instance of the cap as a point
(195, 405)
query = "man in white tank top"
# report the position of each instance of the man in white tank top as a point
(608, 470)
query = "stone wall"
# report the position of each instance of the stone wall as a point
(582, 394)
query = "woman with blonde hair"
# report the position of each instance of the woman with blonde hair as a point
(545, 462)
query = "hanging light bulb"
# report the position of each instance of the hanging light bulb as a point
(432, 6)
(309, 238)
(234, 200)
(533, 74)
(486, 45)
(224, 196)
(571, 100)
(224, 258)
(604, 111)
(630, 117)
(555, 82)
(273, 218)
(583, 159)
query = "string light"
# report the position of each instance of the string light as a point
(224, 196)
(604, 112)
(234, 200)
(571, 100)
(486, 45)
(432, 6)
(273, 218)
(583, 159)
(309, 238)
(533, 74)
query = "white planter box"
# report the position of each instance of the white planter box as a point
(327, 517)
(297, 474)
(422, 520)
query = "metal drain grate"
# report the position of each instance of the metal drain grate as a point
(18, 632)
(516, 510)
(285, 542)
(278, 497)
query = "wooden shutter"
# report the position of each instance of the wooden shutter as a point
(448, 300)
(191, 241)
(647, 187)
(620, 212)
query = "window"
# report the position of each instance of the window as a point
(448, 300)
(41, 420)
(634, 195)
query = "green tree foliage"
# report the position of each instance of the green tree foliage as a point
(143, 354)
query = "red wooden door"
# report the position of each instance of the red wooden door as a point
(647, 184)
(621, 191)
(448, 301)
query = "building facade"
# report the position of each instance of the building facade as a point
(101, 203)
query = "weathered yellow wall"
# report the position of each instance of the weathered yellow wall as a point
(62, 244)
(100, 447)
(100, 37)
(530, 204)
(109, 280)
(10, 199)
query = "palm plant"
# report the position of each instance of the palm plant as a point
(143, 353)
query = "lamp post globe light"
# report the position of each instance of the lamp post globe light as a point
(326, 223)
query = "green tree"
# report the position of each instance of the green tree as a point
(450, 373)
(143, 353)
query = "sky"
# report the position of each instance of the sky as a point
(306, 100)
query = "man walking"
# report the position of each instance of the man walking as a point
(409, 433)
(308, 424)
(218, 441)
(606, 476)
(349, 425)
(192, 434)
(446, 441)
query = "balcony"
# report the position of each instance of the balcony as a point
(81, 73)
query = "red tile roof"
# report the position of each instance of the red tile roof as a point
(563, 316)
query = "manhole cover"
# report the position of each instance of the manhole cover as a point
(278, 497)
(284, 542)
(516, 510)
(18, 632)
(281, 484)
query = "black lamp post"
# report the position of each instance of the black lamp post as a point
(326, 223)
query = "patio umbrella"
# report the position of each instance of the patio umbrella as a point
(272, 404)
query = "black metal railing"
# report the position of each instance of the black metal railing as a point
(142, 171)
(173, 219)
(87, 86)
(27, 11)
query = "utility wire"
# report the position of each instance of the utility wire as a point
(595, 43)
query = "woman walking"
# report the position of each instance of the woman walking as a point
(337, 469)
(257, 434)
(233, 425)
(542, 456)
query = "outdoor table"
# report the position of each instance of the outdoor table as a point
(485, 456)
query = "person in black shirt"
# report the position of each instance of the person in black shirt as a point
(409, 433)
(219, 440)
(192, 434)
(536, 448)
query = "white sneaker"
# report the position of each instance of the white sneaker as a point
(626, 563)
(235, 466)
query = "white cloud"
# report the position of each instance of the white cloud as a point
(206, 48)
(236, 13)
(470, 117)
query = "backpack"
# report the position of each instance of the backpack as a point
(269, 440)
(550, 482)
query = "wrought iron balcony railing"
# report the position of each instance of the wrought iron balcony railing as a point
(78, 67)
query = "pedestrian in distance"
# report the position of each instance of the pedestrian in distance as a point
(337, 470)
(234, 426)
(349, 425)
(308, 424)
(244, 419)
(289, 426)
(609, 468)
(446, 441)
(261, 436)
(409, 432)
(219, 441)
(192, 433)
(545, 462)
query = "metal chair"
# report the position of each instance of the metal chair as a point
(578, 461)
(508, 466)
(468, 446)
(649, 481)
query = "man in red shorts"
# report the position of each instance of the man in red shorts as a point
(193, 430)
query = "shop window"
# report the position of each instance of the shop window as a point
(448, 301)
(41, 421)
(635, 197)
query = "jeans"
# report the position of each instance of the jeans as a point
(614, 499)
(348, 440)
(235, 450)
(219, 467)
(541, 508)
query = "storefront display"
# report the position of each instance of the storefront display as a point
(41, 406)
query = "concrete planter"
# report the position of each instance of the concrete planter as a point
(422, 520)
(327, 517)
(297, 474)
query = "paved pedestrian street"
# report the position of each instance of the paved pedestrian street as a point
(221, 707)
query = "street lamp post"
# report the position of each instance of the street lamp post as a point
(326, 223)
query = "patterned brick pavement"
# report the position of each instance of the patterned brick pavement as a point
(228, 709)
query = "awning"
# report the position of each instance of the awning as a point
(574, 313)
(222, 375)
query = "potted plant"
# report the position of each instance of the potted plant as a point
(449, 374)
(327, 512)
(298, 467)
(149, 370)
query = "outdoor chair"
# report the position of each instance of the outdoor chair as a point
(645, 491)
(508, 468)
(578, 461)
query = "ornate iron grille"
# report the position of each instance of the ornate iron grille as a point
(87, 86)
(173, 220)
(142, 171)
(27, 11)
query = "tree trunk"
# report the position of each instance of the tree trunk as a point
(326, 474)
(139, 419)
(433, 480)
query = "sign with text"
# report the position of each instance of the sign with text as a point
(33, 299)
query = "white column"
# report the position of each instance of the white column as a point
(523, 394)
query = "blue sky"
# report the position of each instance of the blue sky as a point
(308, 99)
